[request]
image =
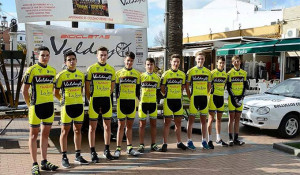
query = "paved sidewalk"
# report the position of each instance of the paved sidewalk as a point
(256, 157)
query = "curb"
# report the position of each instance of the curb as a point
(286, 148)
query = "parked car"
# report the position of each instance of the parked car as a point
(278, 108)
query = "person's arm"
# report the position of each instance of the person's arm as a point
(117, 90)
(208, 87)
(187, 89)
(163, 89)
(229, 89)
(138, 91)
(87, 90)
(244, 88)
(57, 94)
(112, 87)
(26, 94)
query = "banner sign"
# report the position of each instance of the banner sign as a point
(129, 12)
(85, 42)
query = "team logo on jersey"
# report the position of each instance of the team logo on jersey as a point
(219, 80)
(97, 68)
(101, 76)
(40, 70)
(68, 75)
(149, 84)
(131, 80)
(174, 81)
(237, 79)
(44, 79)
(72, 83)
(200, 78)
(49, 71)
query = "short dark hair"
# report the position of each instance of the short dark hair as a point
(220, 58)
(43, 48)
(102, 48)
(199, 53)
(175, 56)
(235, 58)
(68, 53)
(151, 60)
(130, 55)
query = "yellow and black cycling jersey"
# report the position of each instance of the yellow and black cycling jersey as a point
(101, 77)
(173, 80)
(218, 82)
(127, 83)
(71, 84)
(41, 78)
(199, 79)
(236, 82)
(149, 84)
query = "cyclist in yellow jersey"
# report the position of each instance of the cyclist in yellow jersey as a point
(236, 87)
(40, 79)
(216, 101)
(150, 84)
(68, 89)
(172, 86)
(127, 89)
(199, 78)
(99, 85)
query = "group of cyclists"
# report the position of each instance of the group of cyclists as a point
(204, 88)
(90, 8)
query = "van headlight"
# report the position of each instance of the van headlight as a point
(263, 110)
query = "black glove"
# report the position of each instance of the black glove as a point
(237, 101)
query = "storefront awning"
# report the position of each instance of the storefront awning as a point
(288, 44)
(227, 49)
(246, 48)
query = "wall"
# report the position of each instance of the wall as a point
(291, 16)
(272, 31)
(226, 15)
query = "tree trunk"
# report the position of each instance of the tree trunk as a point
(175, 28)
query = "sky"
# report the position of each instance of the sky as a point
(156, 10)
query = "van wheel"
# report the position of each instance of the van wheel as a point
(289, 126)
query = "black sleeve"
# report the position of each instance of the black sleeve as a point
(138, 91)
(229, 89)
(158, 96)
(111, 98)
(244, 88)
(117, 90)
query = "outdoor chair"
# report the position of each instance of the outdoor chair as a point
(253, 85)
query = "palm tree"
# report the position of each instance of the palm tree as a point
(175, 27)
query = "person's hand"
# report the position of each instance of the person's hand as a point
(237, 101)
